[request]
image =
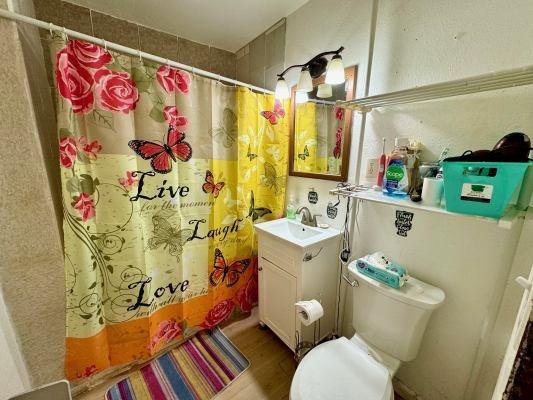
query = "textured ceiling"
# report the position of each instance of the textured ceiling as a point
(226, 24)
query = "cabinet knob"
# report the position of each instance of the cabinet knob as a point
(260, 268)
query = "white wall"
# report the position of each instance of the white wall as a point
(420, 42)
(13, 375)
(469, 259)
(497, 343)
(326, 25)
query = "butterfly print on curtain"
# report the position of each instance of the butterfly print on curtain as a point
(303, 155)
(224, 273)
(226, 132)
(161, 155)
(270, 179)
(273, 116)
(210, 186)
(171, 238)
(256, 212)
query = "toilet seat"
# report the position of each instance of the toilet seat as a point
(339, 369)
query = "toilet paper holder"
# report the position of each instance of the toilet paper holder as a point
(302, 346)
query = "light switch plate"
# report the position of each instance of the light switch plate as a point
(372, 168)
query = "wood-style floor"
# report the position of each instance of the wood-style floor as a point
(268, 377)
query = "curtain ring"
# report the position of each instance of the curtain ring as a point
(140, 56)
(104, 43)
(51, 30)
(219, 77)
(65, 33)
(193, 73)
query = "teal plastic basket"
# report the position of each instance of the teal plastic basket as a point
(481, 188)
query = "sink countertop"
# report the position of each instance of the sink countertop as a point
(295, 233)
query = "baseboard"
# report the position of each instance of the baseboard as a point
(404, 391)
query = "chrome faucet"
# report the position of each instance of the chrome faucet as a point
(307, 218)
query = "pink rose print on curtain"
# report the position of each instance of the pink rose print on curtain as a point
(172, 79)
(183, 81)
(167, 331)
(91, 370)
(67, 152)
(115, 91)
(89, 149)
(74, 82)
(173, 117)
(85, 206)
(247, 296)
(88, 54)
(338, 142)
(129, 181)
(339, 114)
(219, 313)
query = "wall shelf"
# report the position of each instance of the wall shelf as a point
(358, 192)
(477, 84)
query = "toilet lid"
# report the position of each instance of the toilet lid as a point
(338, 369)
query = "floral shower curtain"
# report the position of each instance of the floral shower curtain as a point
(163, 176)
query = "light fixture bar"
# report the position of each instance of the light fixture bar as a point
(482, 83)
(318, 56)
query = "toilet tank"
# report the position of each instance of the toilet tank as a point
(393, 320)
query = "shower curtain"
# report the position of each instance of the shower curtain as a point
(163, 176)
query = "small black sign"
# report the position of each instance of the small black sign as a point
(332, 210)
(312, 196)
(404, 222)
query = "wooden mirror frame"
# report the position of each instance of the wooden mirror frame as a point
(351, 79)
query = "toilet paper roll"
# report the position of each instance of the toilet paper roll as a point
(309, 311)
(432, 191)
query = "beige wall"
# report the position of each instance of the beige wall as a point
(129, 34)
(31, 267)
(260, 60)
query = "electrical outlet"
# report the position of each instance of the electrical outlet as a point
(372, 168)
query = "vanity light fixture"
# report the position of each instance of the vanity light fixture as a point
(324, 91)
(305, 83)
(335, 71)
(312, 69)
(282, 90)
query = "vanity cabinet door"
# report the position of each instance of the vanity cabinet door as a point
(277, 295)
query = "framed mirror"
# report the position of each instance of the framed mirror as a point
(319, 144)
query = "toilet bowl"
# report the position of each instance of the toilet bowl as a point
(389, 323)
(341, 369)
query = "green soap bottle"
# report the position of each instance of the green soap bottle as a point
(291, 209)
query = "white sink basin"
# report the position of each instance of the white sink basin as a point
(296, 233)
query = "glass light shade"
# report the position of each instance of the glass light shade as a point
(324, 91)
(301, 97)
(305, 83)
(282, 90)
(335, 71)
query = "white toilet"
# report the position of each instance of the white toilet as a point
(389, 325)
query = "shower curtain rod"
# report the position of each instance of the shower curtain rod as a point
(123, 49)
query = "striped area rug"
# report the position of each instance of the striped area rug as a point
(198, 369)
